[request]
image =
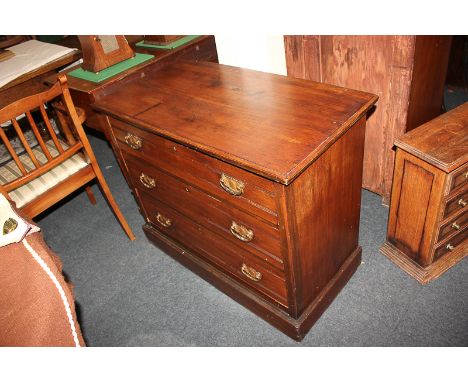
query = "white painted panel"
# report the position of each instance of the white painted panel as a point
(259, 52)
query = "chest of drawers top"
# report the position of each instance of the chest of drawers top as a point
(271, 125)
(442, 142)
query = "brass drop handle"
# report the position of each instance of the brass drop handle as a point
(164, 221)
(462, 202)
(241, 232)
(133, 141)
(147, 181)
(455, 226)
(231, 185)
(251, 273)
(450, 247)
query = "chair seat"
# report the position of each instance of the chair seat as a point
(29, 191)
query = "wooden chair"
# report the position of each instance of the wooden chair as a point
(51, 168)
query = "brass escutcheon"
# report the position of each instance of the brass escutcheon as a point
(164, 221)
(147, 181)
(241, 232)
(231, 185)
(133, 141)
(251, 273)
(9, 226)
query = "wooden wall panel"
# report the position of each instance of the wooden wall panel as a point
(383, 65)
(395, 109)
(368, 64)
(303, 57)
(429, 74)
(294, 50)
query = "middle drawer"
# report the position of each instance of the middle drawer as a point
(457, 202)
(249, 232)
(456, 223)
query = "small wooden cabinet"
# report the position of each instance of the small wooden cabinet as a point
(252, 180)
(428, 222)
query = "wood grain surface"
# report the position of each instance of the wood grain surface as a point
(267, 124)
(428, 219)
(442, 141)
(250, 179)
(406, 72)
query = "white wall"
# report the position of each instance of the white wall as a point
(259, 52)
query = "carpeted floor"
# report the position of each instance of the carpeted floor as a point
(132, 294)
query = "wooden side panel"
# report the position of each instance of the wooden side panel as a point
(431, 58)
(415, 206)
(324, 203)
(412, 209)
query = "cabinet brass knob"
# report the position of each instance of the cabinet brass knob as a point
(133, 141)
(164, 221)
(231, 185)
(466, 175)
(147, 181)
(455, 226)
(462, 202)
(450, 247)
(251, 273)
(241, 232)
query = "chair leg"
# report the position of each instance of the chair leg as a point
(91, 196)
(110, 199)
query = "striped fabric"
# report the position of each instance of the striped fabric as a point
(26, 193)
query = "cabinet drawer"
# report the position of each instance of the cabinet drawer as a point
(231, 259)
(236, 226)
(457, 223)
(452, 244)
(459, 178)
(238, 187)
(456, 203)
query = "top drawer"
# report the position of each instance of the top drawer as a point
(459, 178)
(234, 185)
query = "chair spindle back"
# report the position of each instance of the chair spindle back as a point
(33, 111)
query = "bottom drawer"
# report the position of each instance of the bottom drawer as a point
(455, 224)
(452, 244)
(238, 263)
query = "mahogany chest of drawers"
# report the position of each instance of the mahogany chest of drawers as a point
(428, 222)
(252, 180)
